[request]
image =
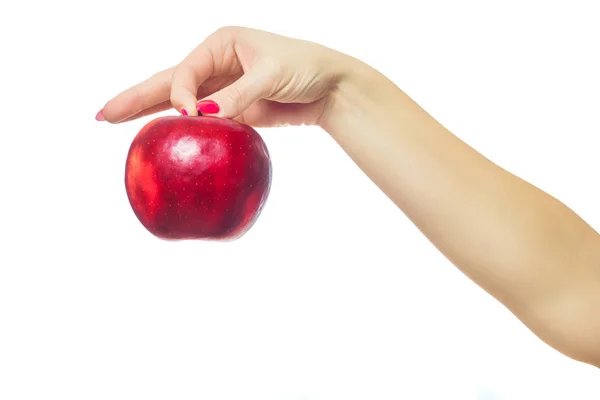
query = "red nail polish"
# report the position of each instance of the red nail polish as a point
(100, 116)
(184, 111)
(207, 107)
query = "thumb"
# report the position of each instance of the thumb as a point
(233, 100)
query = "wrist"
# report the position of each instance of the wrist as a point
(357, 90)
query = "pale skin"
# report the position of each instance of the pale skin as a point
(524, 247)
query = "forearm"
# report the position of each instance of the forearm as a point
(523, 246)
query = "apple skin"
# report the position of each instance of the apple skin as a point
(203, 178)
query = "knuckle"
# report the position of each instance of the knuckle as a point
(229, 30)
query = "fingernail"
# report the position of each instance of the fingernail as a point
(207, 107)
(184, 111)
(100, 116)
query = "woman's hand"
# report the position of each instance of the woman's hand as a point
(255, 77)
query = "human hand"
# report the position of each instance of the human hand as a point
(256, 77)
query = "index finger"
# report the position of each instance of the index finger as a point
(143, 96)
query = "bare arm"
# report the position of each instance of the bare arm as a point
(518, 243)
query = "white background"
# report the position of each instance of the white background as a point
(333, 294)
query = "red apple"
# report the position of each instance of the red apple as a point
(197, 177)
